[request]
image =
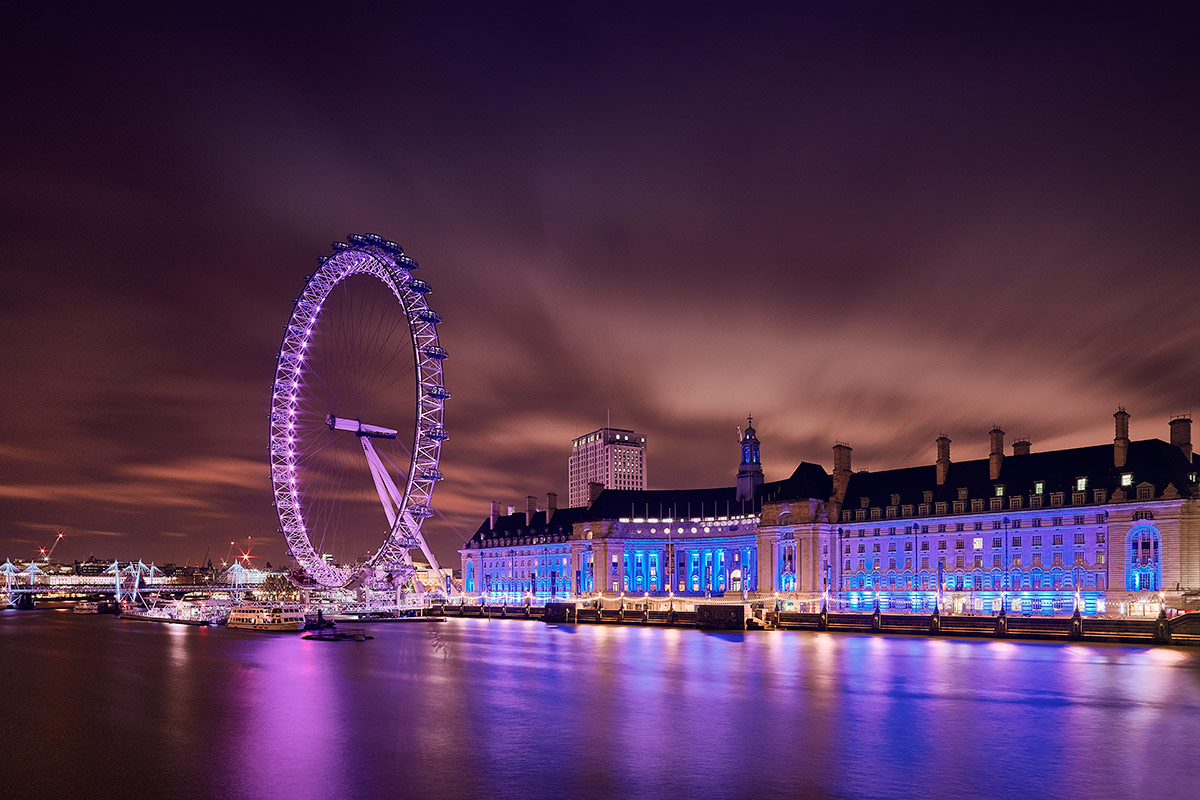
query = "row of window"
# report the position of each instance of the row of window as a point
(996, 503)
(1036, 540)
(977, 562)
(959, 527)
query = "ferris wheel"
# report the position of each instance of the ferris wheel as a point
(357, 416)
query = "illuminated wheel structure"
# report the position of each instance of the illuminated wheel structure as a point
(357, 417)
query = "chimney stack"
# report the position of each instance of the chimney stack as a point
(494, 514)
(996, 459)
(594, 490)
(530, 508)
(841, 469)
(511, 509)
(1021, 447)
(551, 504)
(1121, 440)
(943, 458)
(1181, 434)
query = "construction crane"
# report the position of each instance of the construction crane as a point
(46, 554)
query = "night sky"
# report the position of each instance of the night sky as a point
(863, 222)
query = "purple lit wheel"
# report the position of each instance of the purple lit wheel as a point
(357, 415)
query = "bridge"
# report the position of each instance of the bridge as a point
(125, 583)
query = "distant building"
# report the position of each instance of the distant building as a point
(1030, 532)
(614, 457)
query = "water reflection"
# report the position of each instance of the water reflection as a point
(504, 708)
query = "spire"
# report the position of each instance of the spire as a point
(750, 474)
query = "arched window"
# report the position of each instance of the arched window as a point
(1143, 566)
(470, 587)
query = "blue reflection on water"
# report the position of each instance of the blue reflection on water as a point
(504, 708)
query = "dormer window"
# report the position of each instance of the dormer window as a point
(864, 502)
(1039, 487)
(1081, 484)
(999, 490)
(962, 493)
(1127, 479)
(928, 497)
(895, 499)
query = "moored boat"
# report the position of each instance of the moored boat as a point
(267, 617)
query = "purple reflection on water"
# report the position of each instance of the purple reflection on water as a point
(502, 708)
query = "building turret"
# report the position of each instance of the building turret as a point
(943, 458)
(750, 473)
(1121, 439)
(996, 458)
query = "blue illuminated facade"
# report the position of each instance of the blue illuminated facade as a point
(1029, 532)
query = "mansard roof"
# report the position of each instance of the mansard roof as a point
(1150, 461)
(808, 480)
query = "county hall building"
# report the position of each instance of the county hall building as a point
(1033, 531)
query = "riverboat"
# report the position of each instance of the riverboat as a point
(267, 617)
(95, 607)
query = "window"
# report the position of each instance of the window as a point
(942, 527)
(1035, 501)
(924, 509)
(1127, 479)
(862, 548)
(906, 510)
(1016, 523)
(959, 506)
(924, 546)
(996, 504)
(1079, 519)
(939, 508)
(1099, 538)
(1056, 521)
(1057, 539)
(1037, 540)
(958, 526)
(1145, 492)
(999, 490)
(895, 499)
(1078, 498)
(875, 513)
(1101, 517)
(1056, 499)
(1081, 484)
(875, 547)
(1037, 522)
(958, 562)
(927, 497)
(977, 504)
(996, 542)
(996, 525)
(1016, 541)
(1039, 487)
(942, 544)
(962, 493)
(958, 544)
(1079, 538)
(978, 526)
(1100, 495)
(1014, 502)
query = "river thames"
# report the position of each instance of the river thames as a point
(472, 708)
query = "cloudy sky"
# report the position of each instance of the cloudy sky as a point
(861, 222)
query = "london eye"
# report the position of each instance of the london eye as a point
(357, 417)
